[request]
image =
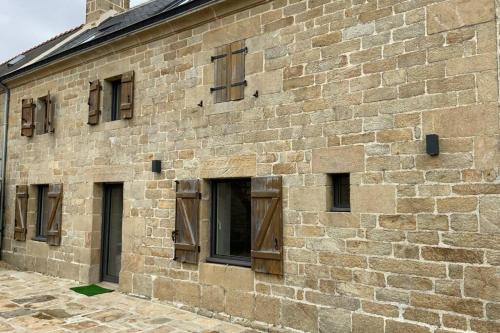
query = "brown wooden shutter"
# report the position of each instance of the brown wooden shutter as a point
(21, 212)
(222, 74)
(27, 117)
(55, 214)
(127, 96)
(185, 235)
(238, 82)
(94, 102)
(49, 116)
(267, 225)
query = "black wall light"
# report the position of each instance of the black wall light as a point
(432, 144)
(156, 166)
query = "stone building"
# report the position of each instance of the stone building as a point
(310, 165)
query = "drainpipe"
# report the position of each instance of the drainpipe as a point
(4, 159)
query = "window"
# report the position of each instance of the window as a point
(118, 98)
(42, 214)
(341, 192)
(229, 72)
(44, 115)
(116, 87)
(231, 222)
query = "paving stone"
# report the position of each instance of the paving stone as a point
(23, 310)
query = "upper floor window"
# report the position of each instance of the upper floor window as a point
(118, 100)
(37, 117)
(229, 72)
(116, 87)
(45, 115)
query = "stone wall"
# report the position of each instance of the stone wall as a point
(344, 86)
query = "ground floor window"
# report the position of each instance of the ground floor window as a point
(42, 215)
(231, 221)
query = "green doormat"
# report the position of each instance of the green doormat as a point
(91, 290)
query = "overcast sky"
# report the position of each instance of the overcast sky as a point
(26, 23)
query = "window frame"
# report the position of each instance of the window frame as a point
(43, 108)
(337, 205)
(39, 212)
(213, 256)
(116, 87)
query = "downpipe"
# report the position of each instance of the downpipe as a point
(4, 161)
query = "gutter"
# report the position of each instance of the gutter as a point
(4, 160)
(150, 22)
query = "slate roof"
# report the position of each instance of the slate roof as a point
(35, 51)
(135, 18)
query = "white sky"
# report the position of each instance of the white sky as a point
(26, 23)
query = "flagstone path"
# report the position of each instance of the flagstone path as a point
(31, 302)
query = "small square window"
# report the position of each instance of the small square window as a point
(341, 192)
(231, 222)
(42, 214)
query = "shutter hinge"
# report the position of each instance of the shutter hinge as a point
(217, 88)
(174, 235)
(242, 83)
(199, 249)
(243, 50)
(213, 58)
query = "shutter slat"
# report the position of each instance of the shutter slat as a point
(238, 83)
(55, 214)
(267, 225)
(21, 212)
(27, 117)
(221, 60)
(127, 96)
(94, 102)
(186, 234)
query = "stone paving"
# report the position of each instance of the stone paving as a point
(31, 302)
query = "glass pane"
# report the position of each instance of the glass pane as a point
(233, 229)
(116, 100)
(115, 230)
(342, 193)
(43, 210)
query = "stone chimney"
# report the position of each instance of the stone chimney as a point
(96, 8)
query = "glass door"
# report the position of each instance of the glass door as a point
(112, 232)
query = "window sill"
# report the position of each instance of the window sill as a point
(341, 210)
(39, 239)
(226, 261)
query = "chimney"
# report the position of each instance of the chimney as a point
(96, 8)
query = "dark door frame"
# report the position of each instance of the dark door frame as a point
(106, 214)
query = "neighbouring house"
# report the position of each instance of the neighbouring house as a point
(319, 166)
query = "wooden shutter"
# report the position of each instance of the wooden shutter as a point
(238, 82)
(267, 225)
(21, 212)
(27, 117)
(55, 214)
(185, 235)
(94, 102)
(49, 114)
(222, 74)
(127, 96)
(229, 72)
